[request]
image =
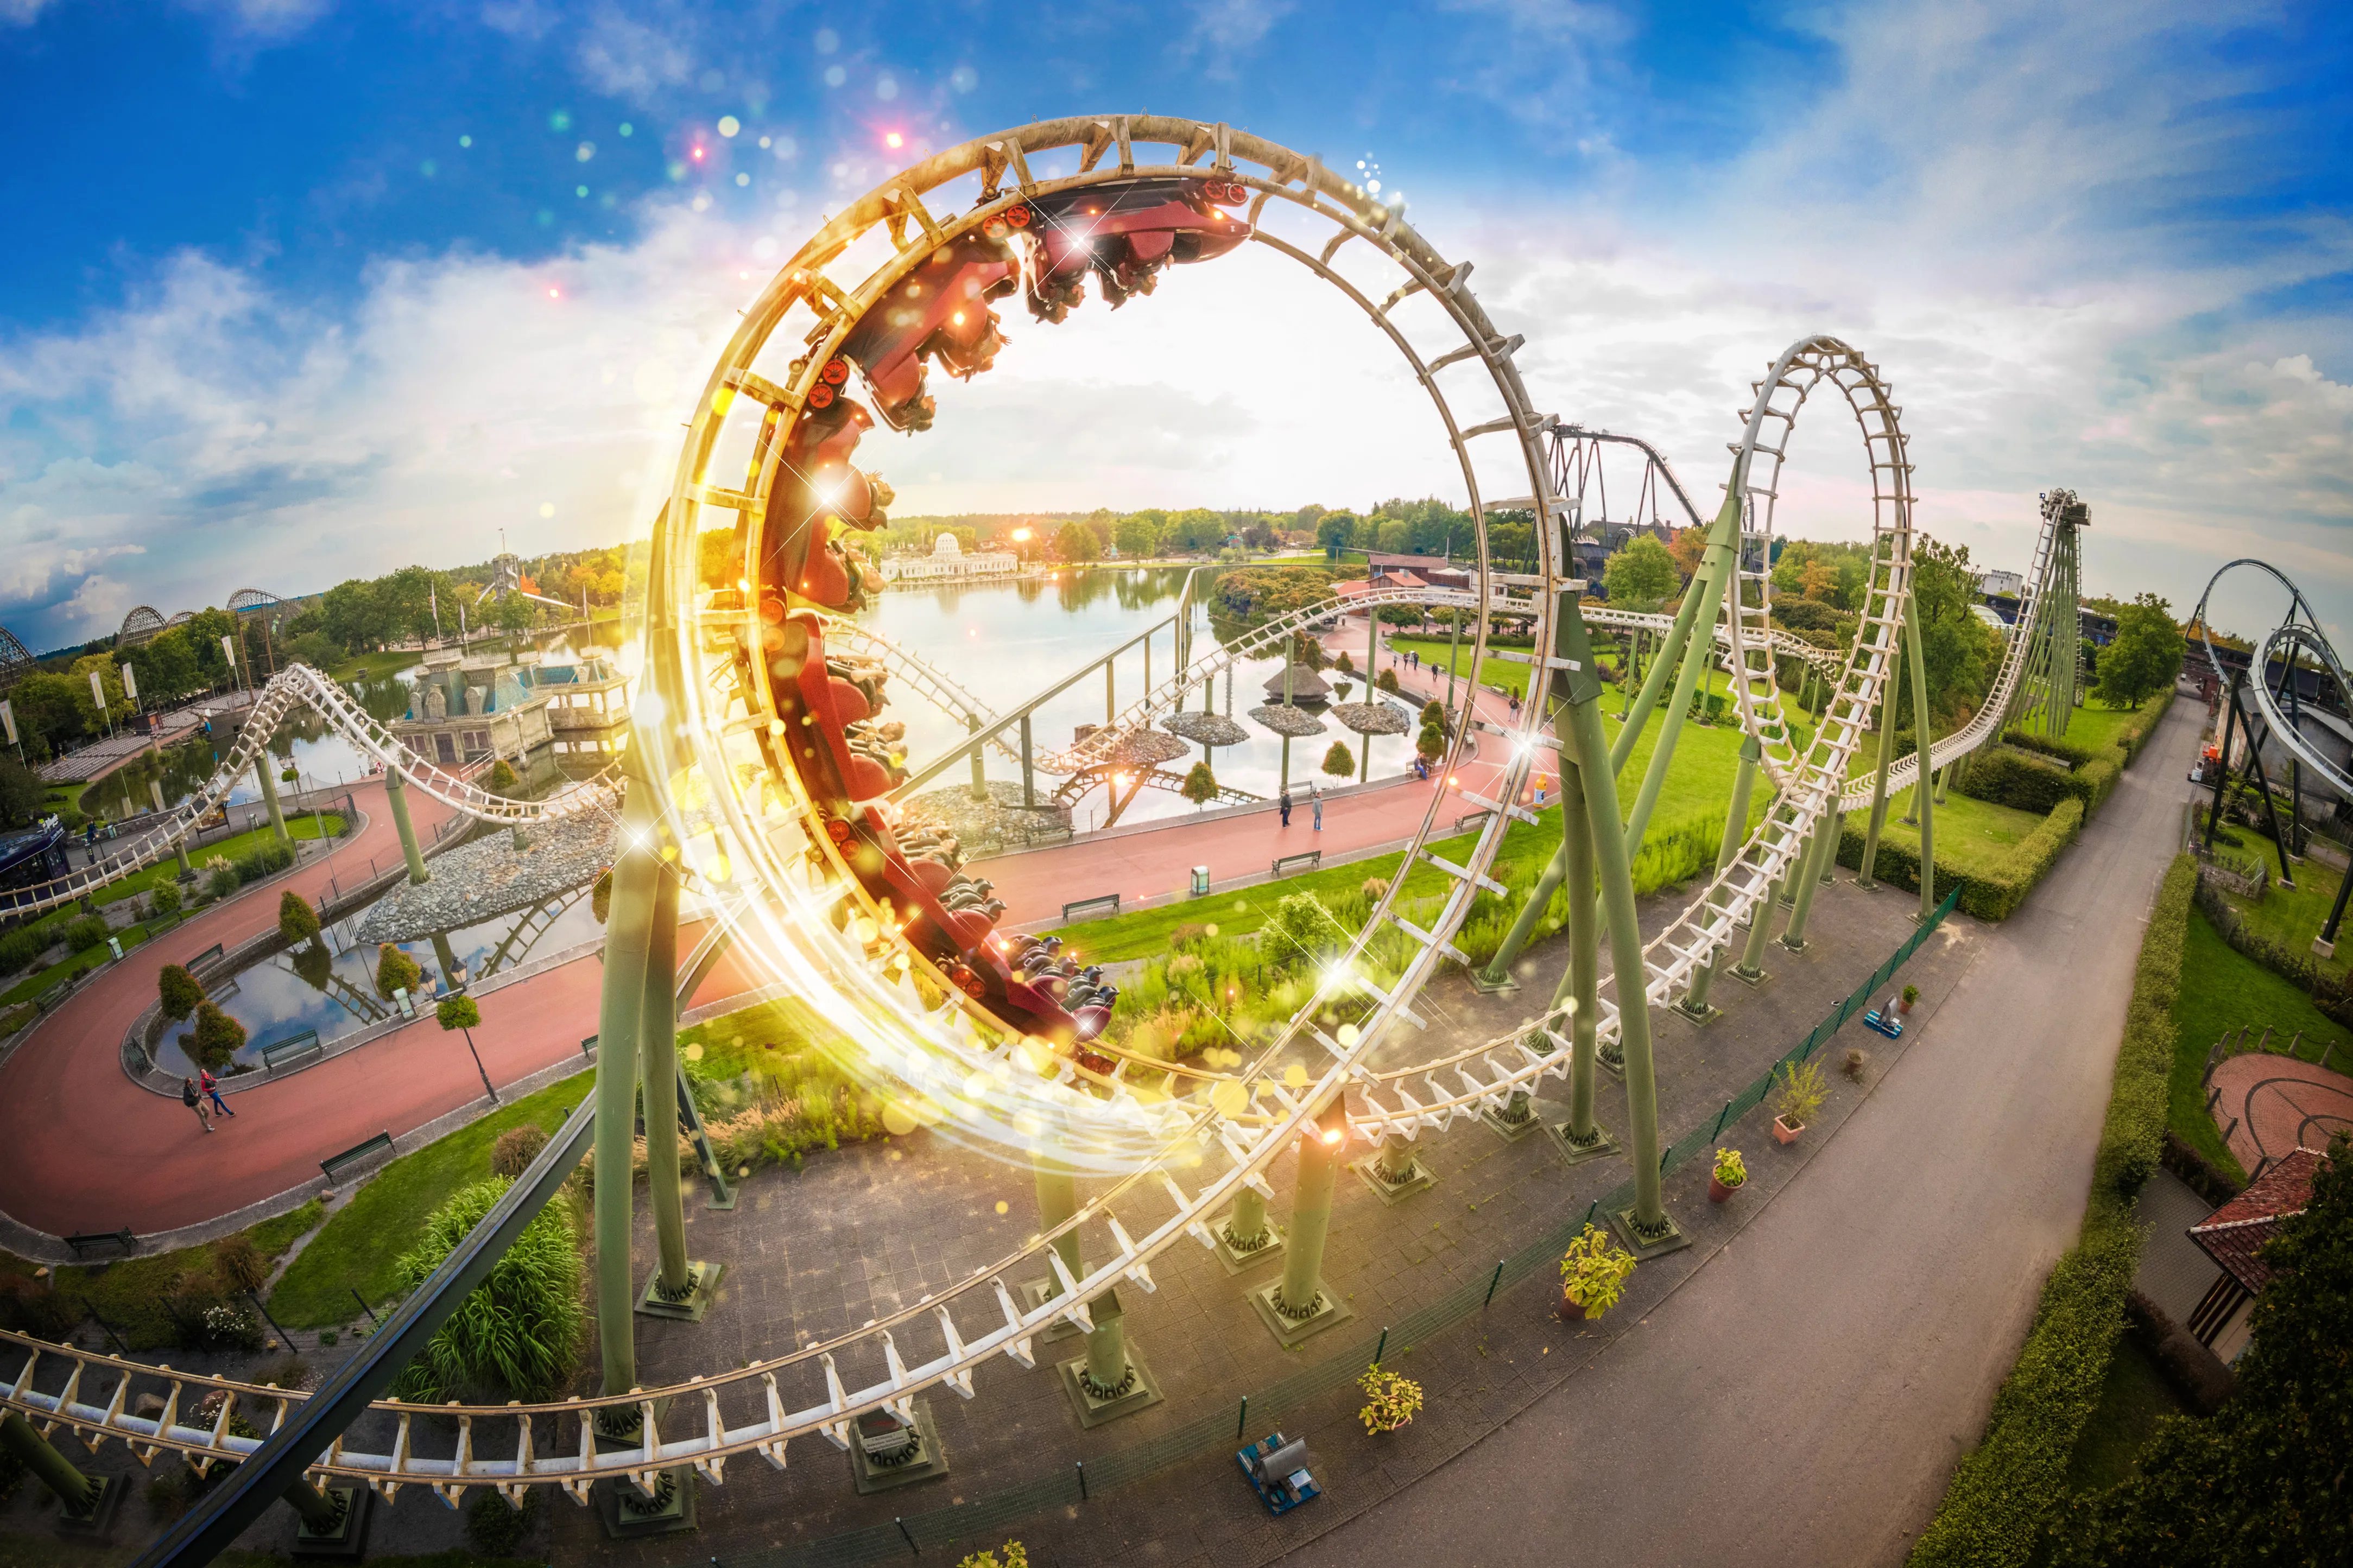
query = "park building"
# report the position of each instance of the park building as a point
(949, 563)
(587, 703)
(466, 709)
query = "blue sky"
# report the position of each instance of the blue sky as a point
(279, 305)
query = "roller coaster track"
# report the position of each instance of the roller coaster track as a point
(817, 932)
(299, 685)
(2296, 638)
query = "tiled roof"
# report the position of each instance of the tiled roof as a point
(2233, 1234)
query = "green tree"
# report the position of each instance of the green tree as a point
(218, 1037)
(1200, 785)
(396, 971)
(1431, 744)
(1076, 542)
(297, 920)
(2261, 1480)
(503, 779)
(1339, 763)
(515, 1335)
(2146, 655)
(21, 795)
(55, 709)
(1335, 531)
(1386, 680)
(179, 992)
(1641, 574)
(1197, 529)
(1137, 534)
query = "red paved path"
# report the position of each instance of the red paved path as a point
(2279, 1102)
(89, 1150)
(1034, 886)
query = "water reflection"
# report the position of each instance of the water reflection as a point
(1004, 643)
(333, 990)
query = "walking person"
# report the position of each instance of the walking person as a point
(196, 1102)
(1283, 803)
(211, 1087)
(1316, 797)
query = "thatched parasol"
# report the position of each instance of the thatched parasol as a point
(1296, 722)
(1206, 729)
(1307, 686)
(1371, 718)
(1148, 749)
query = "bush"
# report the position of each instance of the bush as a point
(514, 1335)
(88, 931)
(600, 897)
(1339, 763)
(267, 861)
(1386, 680)
(456, 1012)
(503, 780)
(25, 943)
(179, 991)
(1301, 930)
(218, 1037)
(164, 899)
(2007, 1489)
(297, 920)
(1394, 1401)
(1014, 1557)
(1594, 1270)
(2010, 778)
(517, 1147)
(396, 971)
(495, 1526)
(239, 1263)
(221, 880)
(29, 1306)
(1200, 785)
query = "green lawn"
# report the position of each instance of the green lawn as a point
(2134, 1398)
(2293, 917)
(362, 1242)
(2221, 993)
(128, 1294)
(374, 667)
(1504, 674)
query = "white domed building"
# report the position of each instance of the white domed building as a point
(947, 563)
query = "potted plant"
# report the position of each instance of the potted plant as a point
(1593, 1274)
(1396, 1400)
(1731, 1174)
(1799, 1094)
(1910, 999)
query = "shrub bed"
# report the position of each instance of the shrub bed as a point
(2006, 1490)
(1990, 895)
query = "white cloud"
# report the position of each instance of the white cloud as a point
(634, 59)
(22, 13)
(264, 21)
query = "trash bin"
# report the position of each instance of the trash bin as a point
(1200, 881)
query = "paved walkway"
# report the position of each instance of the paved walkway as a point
(89, 1150)
(2279, 1104)
(1803, 1397)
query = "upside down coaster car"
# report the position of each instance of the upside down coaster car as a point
(847, 758)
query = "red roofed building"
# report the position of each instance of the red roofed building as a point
(2233, 1236)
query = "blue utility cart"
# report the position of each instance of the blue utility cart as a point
(1277, 1470)
(1885, 1021)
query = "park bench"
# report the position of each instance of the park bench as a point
(293, 1046)
(82, 1242)
(335, 1165)
(1311, 858)
(1107, 903)
(210, 955)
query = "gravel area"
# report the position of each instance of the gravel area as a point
(492, 876)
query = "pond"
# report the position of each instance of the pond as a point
(331, 989)
(1006, 641)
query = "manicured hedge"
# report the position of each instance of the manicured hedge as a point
(2006, 1490)
(2010, 778)
(1988, 897)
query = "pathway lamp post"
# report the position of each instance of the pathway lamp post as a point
(460, 1013)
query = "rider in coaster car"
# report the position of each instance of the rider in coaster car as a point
(1123, 234)
(939, 313)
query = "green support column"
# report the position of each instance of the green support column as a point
(79, 1498)
(262, 766)
(1580, 987)
(1695, 1004)
(1827, 871)
(629, 940)
(1057, 1200)
(1497, 976)
(1245, 1232)
(179, 846)
(1862, 876)
(1298, 1305)
(680, 1287)
(1751, 967)
(1806, 876)
(1029, 768)
(979, 774)
(1922, 741)
(1707, 593)
(1944, 778)
(396, 796)
(1664, 660)
(1647, 1229)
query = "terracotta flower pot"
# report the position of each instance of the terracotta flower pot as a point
(1785, 1133)
(1717, 1191)
(1570, 1311)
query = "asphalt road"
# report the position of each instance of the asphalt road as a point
(1804, 1396)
